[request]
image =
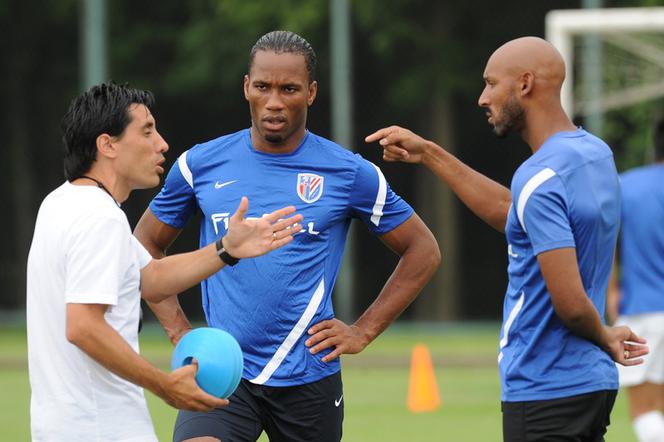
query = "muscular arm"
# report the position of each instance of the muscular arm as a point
(89, 331)
(156, 237)
(488, 199)
(166, 277)
(570, 302)
(420, 257)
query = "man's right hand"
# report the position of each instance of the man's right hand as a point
(180, 390)
(175, 336)
(399, 144)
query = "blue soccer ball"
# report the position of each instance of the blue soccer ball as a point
(219, 357)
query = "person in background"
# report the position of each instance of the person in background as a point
(636, 299)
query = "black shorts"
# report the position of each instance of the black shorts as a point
(309, 412)
(582, 418)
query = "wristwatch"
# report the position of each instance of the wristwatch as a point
(224, 255)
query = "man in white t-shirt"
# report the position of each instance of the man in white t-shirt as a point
(86, 274)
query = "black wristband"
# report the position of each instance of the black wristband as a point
(224, 255)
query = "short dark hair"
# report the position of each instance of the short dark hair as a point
(103, 109)
(659, 140)
(286, 42)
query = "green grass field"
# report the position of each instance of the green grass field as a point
(375, 387)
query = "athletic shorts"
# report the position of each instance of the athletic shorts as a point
(309, 412)
(651, 327)
(582, 418)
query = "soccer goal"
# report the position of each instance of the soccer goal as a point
(627, 59)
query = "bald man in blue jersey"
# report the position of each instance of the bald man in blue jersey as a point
(561, 221)
(280, 308)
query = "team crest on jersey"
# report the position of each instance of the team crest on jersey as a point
(309, 187)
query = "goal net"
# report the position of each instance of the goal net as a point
(615, 73)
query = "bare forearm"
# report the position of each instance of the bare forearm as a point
(486, 198)
(584, 321)
(103, 344)
(568, 296)
(172, 318)
(173, 274)
(156, 237)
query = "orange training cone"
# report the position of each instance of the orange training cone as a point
(422, 388)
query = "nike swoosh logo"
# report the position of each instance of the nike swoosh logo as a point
(337, 402)
(219, 185)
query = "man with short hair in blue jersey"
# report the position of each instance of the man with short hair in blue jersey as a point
(561, 220)
(638, 300)
(280, 308)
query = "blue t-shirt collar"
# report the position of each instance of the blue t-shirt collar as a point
(250, 146)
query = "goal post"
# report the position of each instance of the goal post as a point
(620, 28)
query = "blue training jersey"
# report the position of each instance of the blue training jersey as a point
(268, 303)
(642, 240)
(567, 194)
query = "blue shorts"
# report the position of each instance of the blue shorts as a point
(308, 412)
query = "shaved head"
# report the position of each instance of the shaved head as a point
(530, 54)
(522, 83)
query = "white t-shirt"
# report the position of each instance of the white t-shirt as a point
(83, 252)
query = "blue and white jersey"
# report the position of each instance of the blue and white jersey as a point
(642, 240)
(268, 303)
(566, 195)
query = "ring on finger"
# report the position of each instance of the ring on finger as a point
(274, 236)
(626, 353)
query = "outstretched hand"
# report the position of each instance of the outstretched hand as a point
(249, 237)
(399, 144)
(346, 339)
(625, 347)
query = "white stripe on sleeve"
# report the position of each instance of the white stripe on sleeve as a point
(380, 197)
(532, 184)
(184, 169)
(292, 337)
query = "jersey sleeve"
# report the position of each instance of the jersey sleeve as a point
(94, 261)
(176, 202)
(142, 255)
(373, 201)
(544, 215)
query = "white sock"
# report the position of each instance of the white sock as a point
(649, 427)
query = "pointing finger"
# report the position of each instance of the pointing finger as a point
(381, 134)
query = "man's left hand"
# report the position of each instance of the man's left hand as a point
(624, 346)
(346, 339)
(247, 238)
